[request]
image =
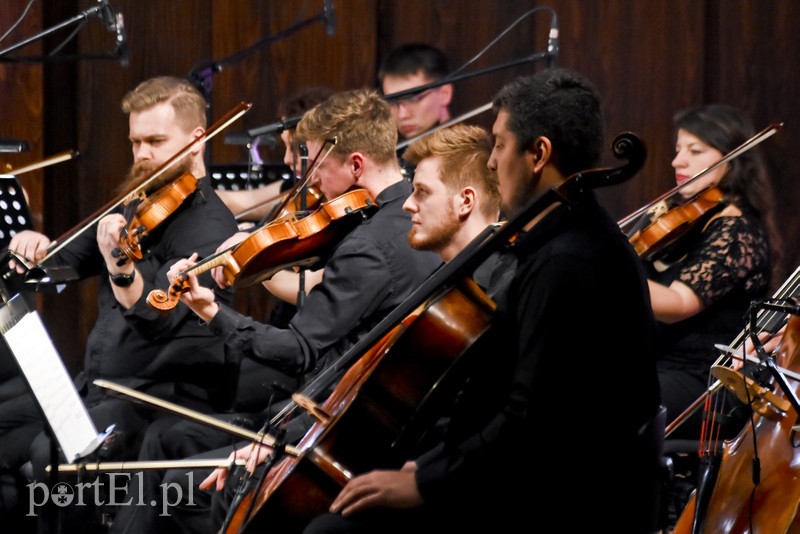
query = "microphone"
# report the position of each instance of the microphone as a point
(330, 17)
(552, 43)
(115, 23)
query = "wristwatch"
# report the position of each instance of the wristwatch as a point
(122, 279)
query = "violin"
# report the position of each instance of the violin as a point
(400, 375)
(675, 223)
(284, 243)
(671, 224)
(151, 211)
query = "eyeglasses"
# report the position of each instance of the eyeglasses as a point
(412, 100)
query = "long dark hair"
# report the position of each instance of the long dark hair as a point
(747, 182)
(724, 127)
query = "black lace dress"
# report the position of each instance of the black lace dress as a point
(728, 267)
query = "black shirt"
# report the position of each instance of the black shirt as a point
(139, 346)
(544, 407)
(366, 276)
(728, 267)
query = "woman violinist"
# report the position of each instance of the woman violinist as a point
(702, 297)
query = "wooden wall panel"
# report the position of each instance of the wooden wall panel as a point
(752, 64)
(648, 59)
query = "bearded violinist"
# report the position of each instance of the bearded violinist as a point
(259, 385)
(173, 356)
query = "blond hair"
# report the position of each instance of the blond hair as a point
(359, 119)
(463, 151)
(186, 100)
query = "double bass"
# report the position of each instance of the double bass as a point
(400, 377)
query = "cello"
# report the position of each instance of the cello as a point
(756, 489)
(376, 416)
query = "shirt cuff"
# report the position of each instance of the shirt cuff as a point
(225, 322)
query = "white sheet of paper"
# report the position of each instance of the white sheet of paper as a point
(52, 386)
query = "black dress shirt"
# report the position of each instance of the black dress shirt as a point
(141, 347)
(544, 407)
(366, 276)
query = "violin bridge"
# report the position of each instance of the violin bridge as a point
(311, 407)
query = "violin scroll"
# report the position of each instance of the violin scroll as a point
(165, 301)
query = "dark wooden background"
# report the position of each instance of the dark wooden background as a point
(649, 59)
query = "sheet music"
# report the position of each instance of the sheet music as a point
(48, 379)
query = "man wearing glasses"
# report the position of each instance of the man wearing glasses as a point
(410, 66)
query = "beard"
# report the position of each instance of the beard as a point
(439, 236)
(141, 171)
(521, 194)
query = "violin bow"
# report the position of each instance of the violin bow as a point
(764, 134)
(52, 160)
(221, 124)
(301, 183)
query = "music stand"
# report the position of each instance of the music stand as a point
(67, 420)
(238, 177)
(15, 215)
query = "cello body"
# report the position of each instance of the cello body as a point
(737, 504)
(377, 414)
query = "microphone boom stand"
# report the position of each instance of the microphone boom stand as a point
(82, 16)
(279, 126)
(202, 74)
